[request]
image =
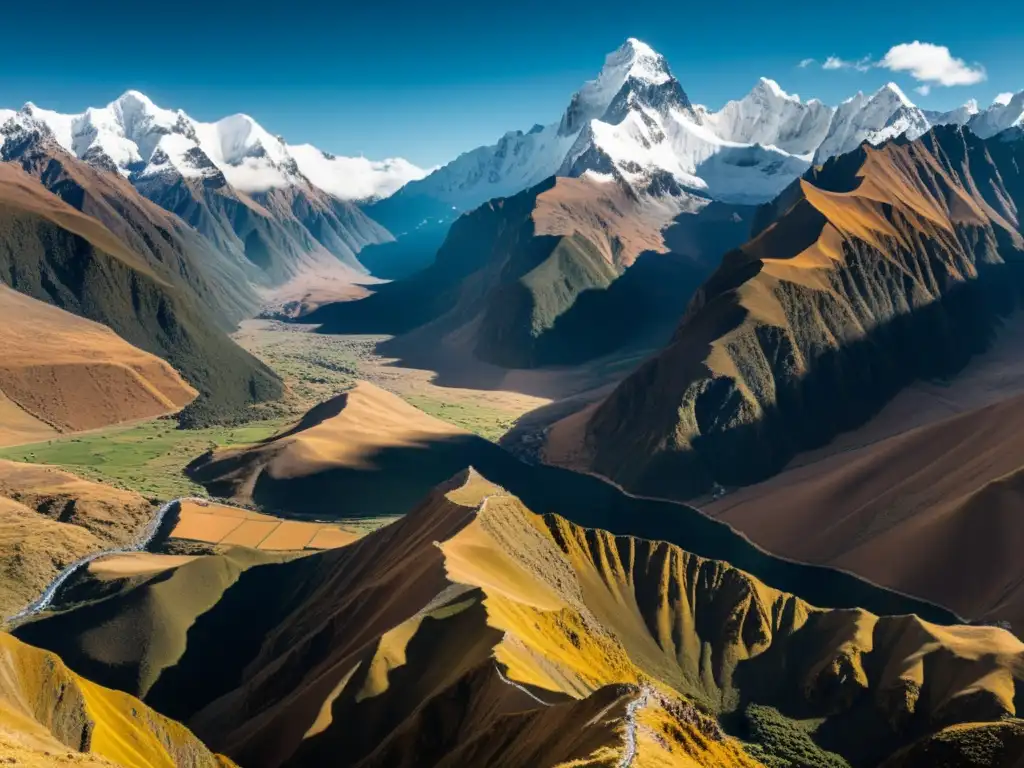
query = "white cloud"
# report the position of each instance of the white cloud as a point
(1003, 98)
(924, 90)
(804, 63)
(834, 62)
(931, 63)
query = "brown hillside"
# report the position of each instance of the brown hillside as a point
(50, 716)
(365, 452)
(901, 510)
(893, 264)
(473, 632)
(73, 374)
(97, 249)
(562, 273)
(49, 519)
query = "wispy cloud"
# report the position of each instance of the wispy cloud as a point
(930, 63)
(927, 63)
(834, 62)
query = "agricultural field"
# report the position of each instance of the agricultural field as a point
(147, 458)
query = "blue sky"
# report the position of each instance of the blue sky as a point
(427, 80)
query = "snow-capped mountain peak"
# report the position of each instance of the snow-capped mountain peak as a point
(139, 139)
(771, 117)
(1006, 112)
(633, 61)
(768, 86)
(885, 114)
(891, 91)
(644, 63)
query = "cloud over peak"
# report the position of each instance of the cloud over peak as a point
(930, 63)
(927, 63)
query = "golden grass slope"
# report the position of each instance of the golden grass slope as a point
(893, 263)
(473, 632)
(902, 510)
(49, 519)
(50, 716)
(66, 373)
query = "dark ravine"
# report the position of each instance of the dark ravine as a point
(585, 499)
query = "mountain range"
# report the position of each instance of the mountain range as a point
(766, 514)
(634, 122)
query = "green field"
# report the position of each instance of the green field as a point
(489, 423)
(147, 458)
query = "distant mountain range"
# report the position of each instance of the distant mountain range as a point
(138, 139)
(634, 122)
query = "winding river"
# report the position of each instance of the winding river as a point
(143, 541)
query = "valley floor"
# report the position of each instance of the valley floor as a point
(148, 457)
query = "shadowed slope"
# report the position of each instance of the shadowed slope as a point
(892, 264)
(53, 252)
(537, 278)
(474, 632)
(901, 510)
(384, 454)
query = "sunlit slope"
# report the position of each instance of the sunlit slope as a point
(365, 452)
(49, 519)
(71, 374)
(474, 631)
(889, 264)
(50, 716)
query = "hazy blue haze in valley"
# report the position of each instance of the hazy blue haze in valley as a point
(426, 80)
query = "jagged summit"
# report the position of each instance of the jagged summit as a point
(766, 84)
(885, 114)
(633, 61)
(634, 123)
(139, 139)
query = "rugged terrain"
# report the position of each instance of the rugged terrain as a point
(112, 257)
(369, 453)
(563, 273)
(475, 632)
(49, 519)
(882, 267)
